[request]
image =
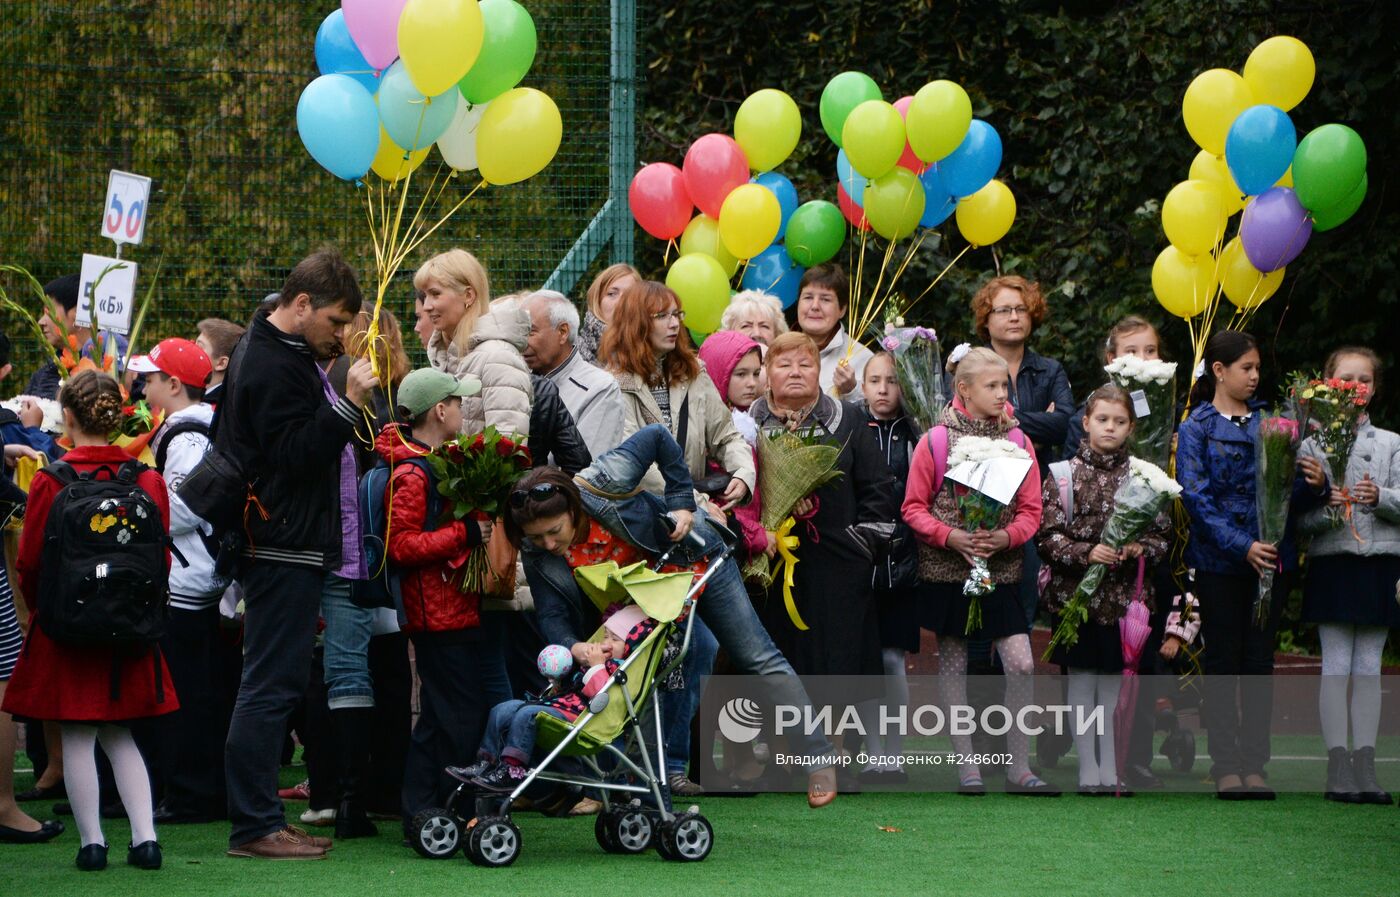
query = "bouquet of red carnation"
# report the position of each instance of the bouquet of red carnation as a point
(475, 474)
(1335, 408)
(138, 419)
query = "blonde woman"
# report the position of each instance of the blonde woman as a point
(470, 338)
(757, 315)
(603, 294)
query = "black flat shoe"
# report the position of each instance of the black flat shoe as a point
(52, 792)
(47, 831)
(145, 855)
(1141, 778)
(92, 857)
(1090, 791)
(1259, 792)
(1237, 792)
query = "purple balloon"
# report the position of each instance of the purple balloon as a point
(1274, 229)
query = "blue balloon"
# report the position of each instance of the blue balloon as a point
(339, 125)
(774, 272)
(412, 121)
(336, 53)
(975, 162)
(852, 180)
(1260, 147)
(782, 188)
(938, 205)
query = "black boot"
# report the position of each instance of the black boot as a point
(352, 727)
(1341, 785)
(1363, 767)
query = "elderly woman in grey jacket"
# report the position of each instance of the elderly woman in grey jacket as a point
(1350, 589)
(470, 338)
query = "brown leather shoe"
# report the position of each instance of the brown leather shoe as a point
(821, 787)
(313, 840)
(285, 844)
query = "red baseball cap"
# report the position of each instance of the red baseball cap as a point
(178, 358)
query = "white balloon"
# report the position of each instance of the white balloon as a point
(458, 143)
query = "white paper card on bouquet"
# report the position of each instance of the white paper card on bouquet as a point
(1140, 406)
(998, 478)
(114, 294)
(124, 215)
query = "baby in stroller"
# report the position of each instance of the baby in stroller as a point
(503, 760)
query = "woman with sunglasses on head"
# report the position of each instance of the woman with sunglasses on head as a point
(561, 523)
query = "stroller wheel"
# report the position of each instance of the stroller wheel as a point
(493, 841)
(1180, 748)
(624, 829)
(687, 838)
(435, 834)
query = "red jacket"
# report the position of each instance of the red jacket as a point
(71, 683)
(428, 561)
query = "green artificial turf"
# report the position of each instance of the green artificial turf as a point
(893, 844)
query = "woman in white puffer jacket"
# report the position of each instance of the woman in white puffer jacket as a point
(471, 338)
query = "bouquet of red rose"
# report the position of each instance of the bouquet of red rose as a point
(1335, 408)
(1275, 464)
(475, 474)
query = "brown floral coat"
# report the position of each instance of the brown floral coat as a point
(1065, 548)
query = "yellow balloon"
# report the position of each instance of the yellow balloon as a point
(389, 162)
(873, 138)
(1245, 285)
(986, 216)
(702, 236)
(767, 128)
(1210, 106)
(703, 289)
(1286, 180)
(749, 220)
(1280, 72)
(1183, 283)
(938, 119)
(1206, 167)
(518, 136)
(1193, 216)
(438, 42)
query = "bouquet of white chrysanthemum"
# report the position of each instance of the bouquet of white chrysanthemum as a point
(992, 470)
(1152, 385)
(53, 415)
(1142, 495)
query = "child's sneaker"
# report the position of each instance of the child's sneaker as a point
(502, 777)
(467, 773)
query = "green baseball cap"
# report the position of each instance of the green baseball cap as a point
(425, 387)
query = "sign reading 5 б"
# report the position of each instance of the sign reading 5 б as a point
(124, 216)
(112, 294)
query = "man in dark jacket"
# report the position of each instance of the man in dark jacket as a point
(280, 421)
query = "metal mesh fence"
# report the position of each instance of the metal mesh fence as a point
(201, 95)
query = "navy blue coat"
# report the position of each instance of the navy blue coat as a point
(1039, 382)
(1215, 467)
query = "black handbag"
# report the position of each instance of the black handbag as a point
(216, 490)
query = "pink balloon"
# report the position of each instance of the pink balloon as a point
(908, 159)
(374, 25)
(854, 213)
(660, 201)
(714, 166)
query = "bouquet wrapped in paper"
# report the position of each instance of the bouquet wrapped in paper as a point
(1152, 385)
(1143, 494)
(52, 422)
(1335, 408)
(475, 473)
(791, 467)
(992, 470)
(919, 365)
(1275, 469)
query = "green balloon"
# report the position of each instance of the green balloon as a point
(815, 233)
(1327, 166)
(894, 203)
(1326, 219)
(506, 54)
(841, 95)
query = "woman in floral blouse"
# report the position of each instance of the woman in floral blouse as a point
(1078, 501)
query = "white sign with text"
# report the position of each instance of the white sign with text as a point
(124, 215)
(112, 294)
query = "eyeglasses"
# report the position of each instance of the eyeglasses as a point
(1007, 311)
(673, 313)
(537, 492)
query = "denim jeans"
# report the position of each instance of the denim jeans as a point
(346, 639)
(510, 730)
(679, 708)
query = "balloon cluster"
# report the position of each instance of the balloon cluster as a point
(915, 162)
(722, 215)
(398, 76)
(1251, 161)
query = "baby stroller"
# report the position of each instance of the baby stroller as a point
(625, 711)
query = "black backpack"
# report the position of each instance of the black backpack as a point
(105, 580)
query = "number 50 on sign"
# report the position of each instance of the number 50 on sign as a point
(124, 216)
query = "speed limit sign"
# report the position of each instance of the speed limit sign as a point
(124, 216)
